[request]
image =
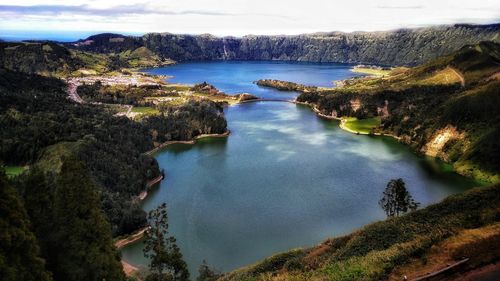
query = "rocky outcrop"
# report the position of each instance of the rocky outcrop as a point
(438, 141)
(246, 97)
(399, 47)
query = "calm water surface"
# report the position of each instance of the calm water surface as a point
(284, 178)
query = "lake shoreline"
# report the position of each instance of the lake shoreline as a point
(144, 193)
(128, 268)
(343, 121)
(139, 234)
(191, 142)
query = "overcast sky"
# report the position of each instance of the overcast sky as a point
(239, 17)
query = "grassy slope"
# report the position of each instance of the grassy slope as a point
(372, 252)
(145, 110)
(13, 171)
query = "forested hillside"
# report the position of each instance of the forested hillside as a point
(38, 121)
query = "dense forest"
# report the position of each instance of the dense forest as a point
(36, 117)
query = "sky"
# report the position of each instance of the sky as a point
(77, 18)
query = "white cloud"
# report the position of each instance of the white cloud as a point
(240, 17)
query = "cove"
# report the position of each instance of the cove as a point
(284, 178)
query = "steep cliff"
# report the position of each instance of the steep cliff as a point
(399, 47)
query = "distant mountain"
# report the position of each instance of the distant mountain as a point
(399, 47)
(36, 57)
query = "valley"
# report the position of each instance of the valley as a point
(271, 151)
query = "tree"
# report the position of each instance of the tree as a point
(397, 200)
(206, 273)
(85, 246)
(19, 253)
(67, 218)
(166, 258)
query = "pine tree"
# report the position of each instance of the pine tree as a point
(74, 234)
(165, 256)
(19, 252)
(85, 249)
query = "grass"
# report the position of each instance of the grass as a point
(216, 98)
(363, 126)
(481, 245)
(145, 110)
(371, 71)
(13, 171)
(444, 76)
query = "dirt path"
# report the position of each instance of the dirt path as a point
(130, 239)
(459, 75)
(71, 90)
(489, 272)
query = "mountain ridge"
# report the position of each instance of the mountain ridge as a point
(395, 47)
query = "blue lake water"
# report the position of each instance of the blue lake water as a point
(238, 76)
(284, 178)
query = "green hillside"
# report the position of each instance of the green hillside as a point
(375, 250)
(446, 108)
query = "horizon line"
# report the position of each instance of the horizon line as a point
(67, 33)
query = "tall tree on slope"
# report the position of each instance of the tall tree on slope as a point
(166, 258)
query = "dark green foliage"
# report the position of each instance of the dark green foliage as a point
(165, 257)
(32, 57)
(19, 253)
(397, 200)
(110, 43)
(84, 248)
(74, 234)
(36, 114)
(187, 121)
(132, 95)
(285, 85)
(206, 273)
